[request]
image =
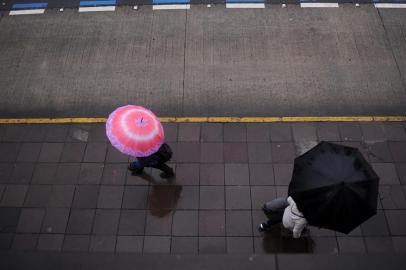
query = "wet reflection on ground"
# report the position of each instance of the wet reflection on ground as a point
(280, 240)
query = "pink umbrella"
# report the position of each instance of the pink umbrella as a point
(134, 131)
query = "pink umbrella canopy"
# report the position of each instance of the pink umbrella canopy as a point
(134, 131)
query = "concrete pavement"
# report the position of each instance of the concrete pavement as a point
(205, 62)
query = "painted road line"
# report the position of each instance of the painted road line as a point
(319, 5)
(170, 7)
(29, 6)
(97, 3)
(26, 12)
(215, 119)
(389, 5)
(171, 1)
(245, 5)
(93, 9)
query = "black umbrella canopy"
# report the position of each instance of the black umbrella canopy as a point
(334, 187)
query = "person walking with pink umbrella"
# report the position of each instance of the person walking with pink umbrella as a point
(136, 131)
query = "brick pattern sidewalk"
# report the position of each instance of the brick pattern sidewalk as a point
(64, 188)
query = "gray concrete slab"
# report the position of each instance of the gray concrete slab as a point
(205, 61)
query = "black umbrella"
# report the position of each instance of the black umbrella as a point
(334, 187)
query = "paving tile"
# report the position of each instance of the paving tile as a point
(6, 169)
(2, 188)
(211, 152)
(283, 173)
(321, 232)
(90, 173)
(80, 221)
(401, 172)
(22, 173)
(261, 195)
(184, 245)
(114, 156)
(56, 133)
(189, 132)
(375, 226)
(283, 152)
(237, 174)
(78, 133)
(355, 232)
(281, 132)
(25, 242)
(97, 133)
(258, 132)
(212, 245)
(135, 197)
(158, 224)
(95, 152)
(9, 219)
(6, 239)
(106, 221)
(14, 195)
(102, 243)
(185, 223)
(239, 223)
(399, 244)
(188, 152)
(379, 244)
(50, 242)
(61, 196)
(327, 131)
(240, 245)
(238, 197)
(110, 197)
(325, 245)
(304, 146)
(395, 131)
(235, 132)
(350, 131)
(114, 174)
(373, 132)
(396, 221)
(67, 173)
(171, 131)
(29, 152)
(38, 196)
(76, 243)
(259, 152)
(189, 198)
(392, 197)
(351, 245)
(258, 217)
(35, 133)
(129, 244)
(212, 197)
(15, 133)
(73, 152)
(379, 152)
(212, 223)
(162, 198)
(44, 173)
(50, 152)
(56, 220)
(157, 244)
(30, 220)
(132, 222)
(212, 174)
(211, 132)
(187, 174)
(387, 173)
(261, 174)
(304, 132)
(398, 150)
(235, 152)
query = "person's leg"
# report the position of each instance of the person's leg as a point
(136, 167)
(167, 171)
(276, 205)
(274, 219)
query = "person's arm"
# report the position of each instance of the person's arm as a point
(298, 228)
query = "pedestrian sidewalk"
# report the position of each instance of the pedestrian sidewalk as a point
(64, 188)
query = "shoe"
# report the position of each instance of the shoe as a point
(266, 210)
(264, 227)
(167, 175)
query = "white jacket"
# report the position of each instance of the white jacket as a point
(293, 219)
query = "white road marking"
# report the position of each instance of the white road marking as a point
(27, 11)
(319, 5)
(245, 5)
(170, 7)
(388, 5)
(93, 9)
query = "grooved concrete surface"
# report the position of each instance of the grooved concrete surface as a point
(205, 62)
